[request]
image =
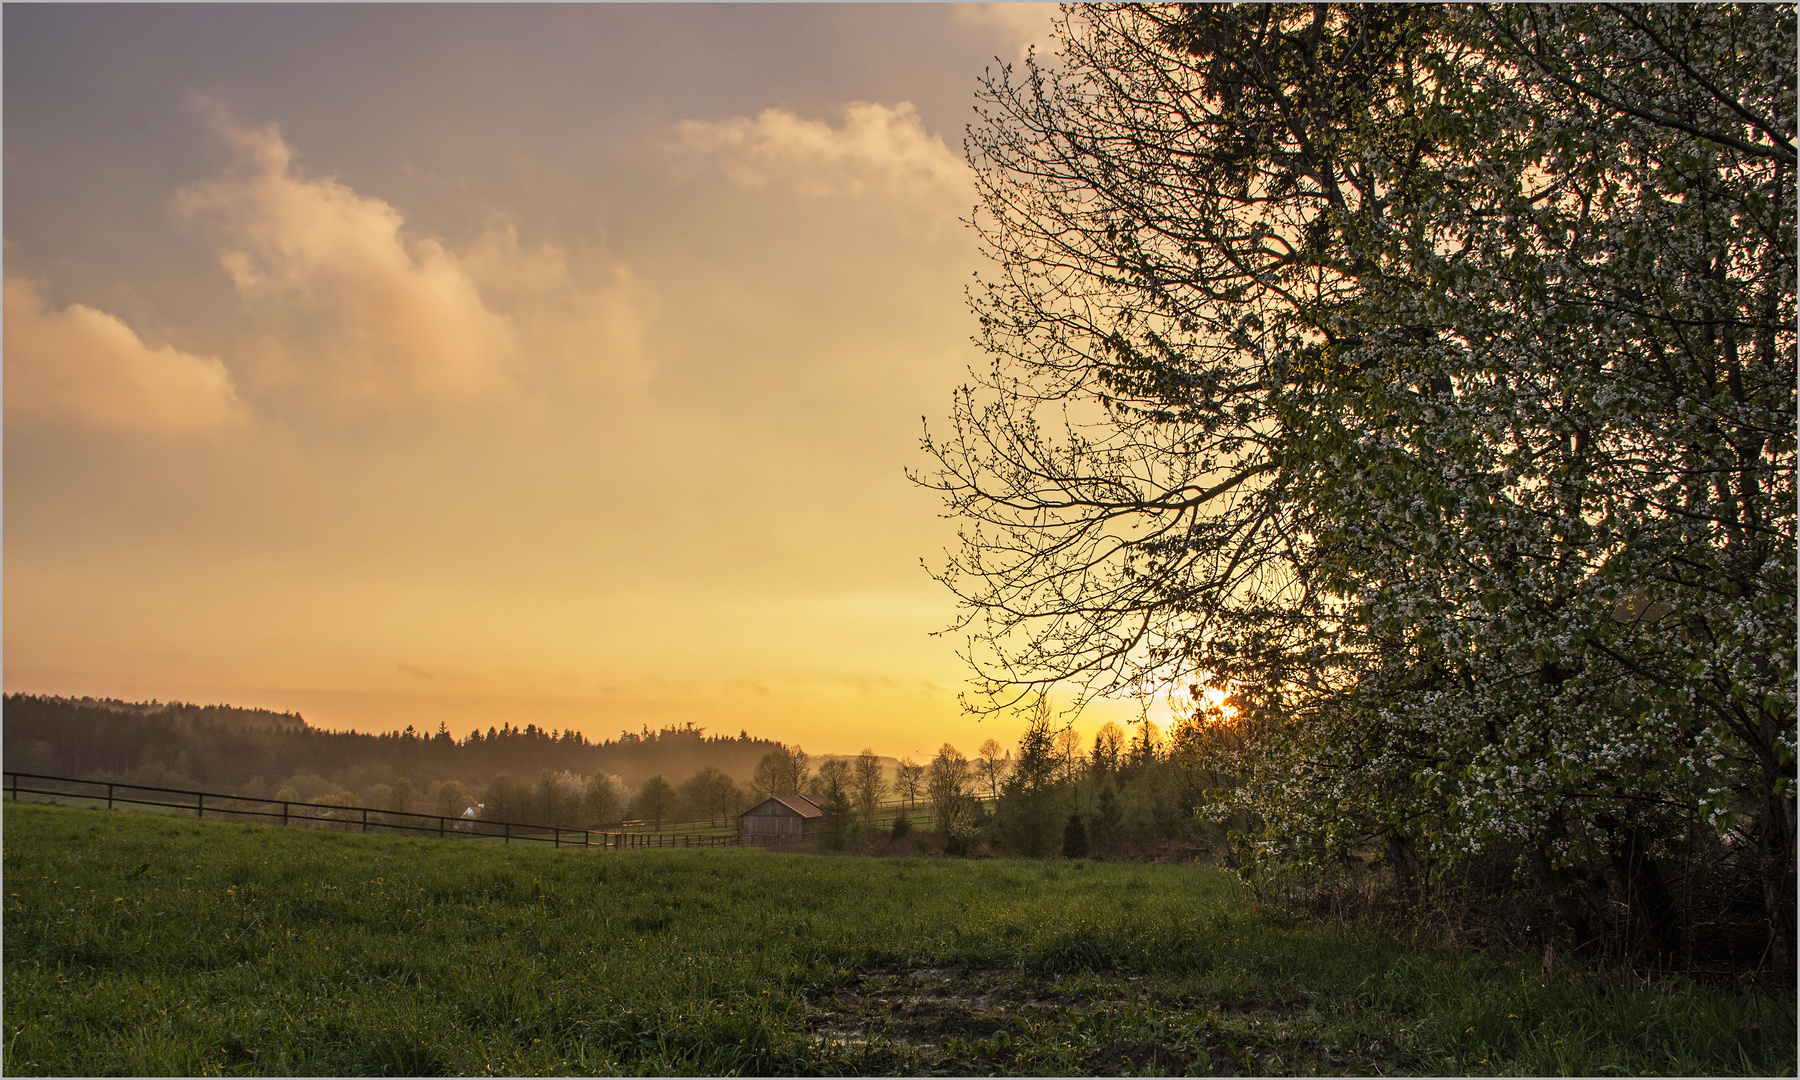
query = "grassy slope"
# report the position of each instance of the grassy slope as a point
(139, 944)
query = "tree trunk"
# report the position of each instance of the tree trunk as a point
(1776, 841)
(1649, 908)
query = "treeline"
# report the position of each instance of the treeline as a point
(847, 787)
(572, 801)
(260, 753)
(186, 715)
(1122, 795)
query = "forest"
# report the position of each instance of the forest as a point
(262, 753)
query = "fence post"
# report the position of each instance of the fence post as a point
(440, 828)
(556, 836)
(15, 787)
(200, 804)
(365, 819)
(284, 813)
(506, 832)
(109, 793)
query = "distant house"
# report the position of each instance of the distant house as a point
(781, 817)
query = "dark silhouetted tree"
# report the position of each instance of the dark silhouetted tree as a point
(655, 801)
(871, 785)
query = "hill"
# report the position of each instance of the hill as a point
(189, 717)
(254, 751)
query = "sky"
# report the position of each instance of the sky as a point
(476, 364)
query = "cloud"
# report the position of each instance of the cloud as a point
(1019, 26)
(83, 364)
(879, 148)
(584, 330)
(353, 302)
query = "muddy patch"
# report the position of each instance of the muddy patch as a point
(923, 1007)
(985, 1022)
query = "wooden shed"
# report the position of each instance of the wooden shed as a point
(781, 817)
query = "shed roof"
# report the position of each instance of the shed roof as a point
(799, 804)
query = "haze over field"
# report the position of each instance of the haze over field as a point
(482, 364)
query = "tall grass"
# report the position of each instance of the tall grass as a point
(144, 945)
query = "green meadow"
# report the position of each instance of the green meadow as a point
(139, 944)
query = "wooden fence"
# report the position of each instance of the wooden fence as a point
(346, 818)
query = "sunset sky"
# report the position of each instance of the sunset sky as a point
(540, 364)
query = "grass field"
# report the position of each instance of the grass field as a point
(140, 944)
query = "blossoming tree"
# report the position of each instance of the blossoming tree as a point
(1426, 377)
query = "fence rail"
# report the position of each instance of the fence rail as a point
(116, 793)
